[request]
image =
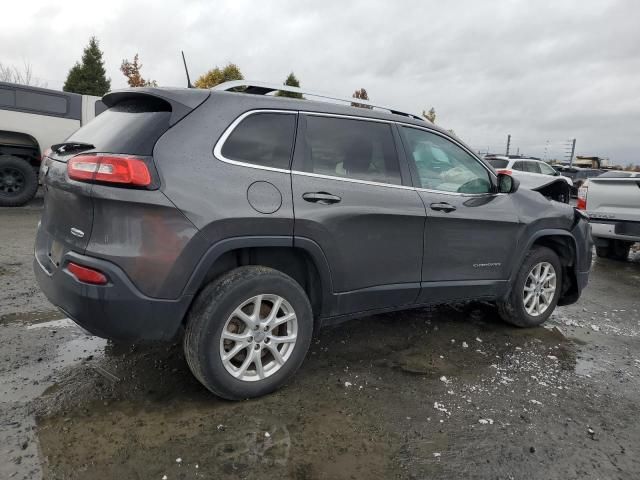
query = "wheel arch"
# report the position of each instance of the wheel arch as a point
(301, 259)
(563, 243)
(21, 145)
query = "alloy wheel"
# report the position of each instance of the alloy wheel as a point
(539, 288)
(258, 337)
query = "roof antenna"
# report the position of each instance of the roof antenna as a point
(186, 70)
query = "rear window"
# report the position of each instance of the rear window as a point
(264, 139)
(131, 126)
(616, 175)
(498, 163)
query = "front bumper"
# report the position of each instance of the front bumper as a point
(118, 310)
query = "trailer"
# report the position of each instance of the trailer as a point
(31, 120)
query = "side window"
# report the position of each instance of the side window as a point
(348, 148)
(531, 167)
(7, 97)
(519, 166)
(41, 102)
(546, 169)
(444, 166)
(264, 139)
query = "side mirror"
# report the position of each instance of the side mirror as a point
(507, 184)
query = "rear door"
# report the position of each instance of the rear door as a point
(352, 197)
(470, 232)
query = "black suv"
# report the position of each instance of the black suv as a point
(250, 220)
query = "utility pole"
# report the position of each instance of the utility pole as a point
(573, 150)
(508, 143)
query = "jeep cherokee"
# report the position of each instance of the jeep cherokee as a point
(250, 220)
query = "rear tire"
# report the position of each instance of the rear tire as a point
(620, 250)
(18, 181)
(519, 308)
(235, 313)
(603, 252)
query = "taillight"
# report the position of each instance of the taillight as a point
(504, 170)
(109, 169)
(86, 274)
(582, 196)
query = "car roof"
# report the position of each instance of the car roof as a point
(287, 103)
(194, 96)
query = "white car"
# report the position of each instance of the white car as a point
(531, 173)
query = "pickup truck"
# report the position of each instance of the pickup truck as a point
(31, 120)
(612, 202)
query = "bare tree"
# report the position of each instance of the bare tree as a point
(24, 76)
(430, 115)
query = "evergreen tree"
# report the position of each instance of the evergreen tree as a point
(291, 81)
(217, 76)
(89, 76)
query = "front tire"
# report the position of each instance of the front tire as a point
(536, 290)
(18, 181)
(248, 332)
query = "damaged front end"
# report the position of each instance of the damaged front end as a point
(553, 189)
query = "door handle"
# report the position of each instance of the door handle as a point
(321, 197)
(442, 207)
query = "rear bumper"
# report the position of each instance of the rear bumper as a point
(118, 310)
(621, 230)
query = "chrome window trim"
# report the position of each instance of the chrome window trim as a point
(217, 152)
(348, 117)
(352, 180)
(217, 149)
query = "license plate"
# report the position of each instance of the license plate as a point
(628, 228)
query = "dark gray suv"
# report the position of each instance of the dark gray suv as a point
(250, 220)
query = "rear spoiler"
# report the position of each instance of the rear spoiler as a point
(181, 100)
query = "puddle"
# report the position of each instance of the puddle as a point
(61, 323)
(31, 317)
(31, 379)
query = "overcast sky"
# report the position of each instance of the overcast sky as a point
(541, 71)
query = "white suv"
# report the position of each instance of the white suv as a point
(531, 173)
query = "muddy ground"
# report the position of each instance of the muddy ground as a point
(448, 392)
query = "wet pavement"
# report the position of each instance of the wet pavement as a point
(447, 392)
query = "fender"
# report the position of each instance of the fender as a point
(531, 240)
(218, 249)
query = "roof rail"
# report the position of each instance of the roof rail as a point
(263, 88)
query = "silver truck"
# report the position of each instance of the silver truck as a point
(612, 201)
(31, 120)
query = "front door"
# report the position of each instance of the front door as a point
(353, 199)
(470, 233)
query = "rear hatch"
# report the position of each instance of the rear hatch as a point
(131, 126)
